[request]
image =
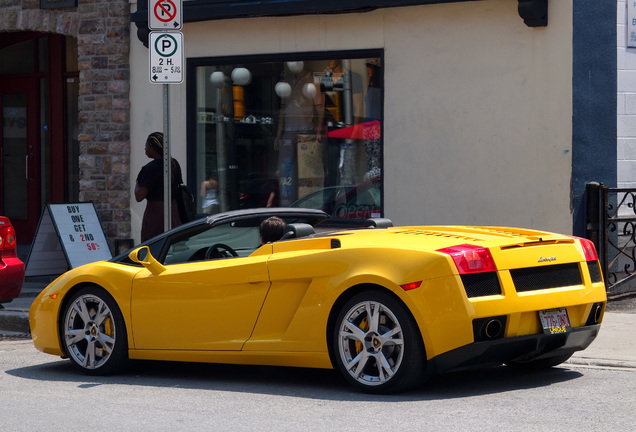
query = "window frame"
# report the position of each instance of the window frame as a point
(193, 63)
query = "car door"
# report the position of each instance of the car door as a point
(199, 302)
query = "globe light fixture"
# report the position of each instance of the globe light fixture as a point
(241, 76)
(217, 78)
(295, 67)
(283, 89)
(309, 90)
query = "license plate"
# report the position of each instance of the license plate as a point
(555, 321)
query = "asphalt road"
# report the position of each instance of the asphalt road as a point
(43, 393)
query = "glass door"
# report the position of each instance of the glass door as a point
(19, 155)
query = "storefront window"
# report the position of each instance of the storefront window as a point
(300, 132)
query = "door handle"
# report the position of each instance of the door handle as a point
(26, 166)
(254, 279)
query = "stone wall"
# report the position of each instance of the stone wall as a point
(102, 29)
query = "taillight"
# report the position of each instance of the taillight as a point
(470, 258)
(589, 250)
(7, 237)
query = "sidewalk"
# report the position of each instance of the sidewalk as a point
(615, 345)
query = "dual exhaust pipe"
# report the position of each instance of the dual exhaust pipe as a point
(596, 314)
(491, 328)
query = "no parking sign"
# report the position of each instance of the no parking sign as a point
(165, 15)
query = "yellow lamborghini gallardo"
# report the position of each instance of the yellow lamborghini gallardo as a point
(387, 306)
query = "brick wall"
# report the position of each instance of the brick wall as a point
(626, 105)
(102, 29)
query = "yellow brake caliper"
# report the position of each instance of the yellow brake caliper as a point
(364, 326)
(108, 327)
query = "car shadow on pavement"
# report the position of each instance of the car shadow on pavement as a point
(297, 382)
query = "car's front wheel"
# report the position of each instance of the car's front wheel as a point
(378, 347)
(93, 332)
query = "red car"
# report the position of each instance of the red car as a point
(11, 267)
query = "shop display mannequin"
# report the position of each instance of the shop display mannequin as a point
(298, 127)
(372, 116)
(341, 91)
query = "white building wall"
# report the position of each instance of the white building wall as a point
(486, 136)
(478, 106)
(626, 102)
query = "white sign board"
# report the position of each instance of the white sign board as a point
(68, 236)
(166, 57)
(631, 24)
(165, 15)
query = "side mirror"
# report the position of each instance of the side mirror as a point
(143, 256)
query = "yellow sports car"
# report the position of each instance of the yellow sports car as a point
(385, 305)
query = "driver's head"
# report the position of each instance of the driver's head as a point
(272, 229)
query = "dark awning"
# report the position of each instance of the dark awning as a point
(207, 10)
(533, 12)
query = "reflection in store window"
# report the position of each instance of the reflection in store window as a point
(296, 132)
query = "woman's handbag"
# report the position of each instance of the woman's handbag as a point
(186, 203)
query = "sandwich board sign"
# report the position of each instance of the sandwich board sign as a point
(68, 236)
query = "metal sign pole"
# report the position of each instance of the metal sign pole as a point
(167, 165)
(166, 67)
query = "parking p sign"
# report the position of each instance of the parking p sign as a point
(166, 57)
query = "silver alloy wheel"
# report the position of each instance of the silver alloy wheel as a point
(89, 331)
(371, 343)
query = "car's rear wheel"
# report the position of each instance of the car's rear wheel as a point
(542, 363)
(93, 332)
(378, 347)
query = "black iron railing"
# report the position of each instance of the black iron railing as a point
(611, 225)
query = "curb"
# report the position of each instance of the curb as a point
(14, 321)
(12, 336)
(601, 363)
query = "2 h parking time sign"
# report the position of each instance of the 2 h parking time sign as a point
(166, 57)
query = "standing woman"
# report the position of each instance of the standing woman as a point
(150, 187)
(208, 193)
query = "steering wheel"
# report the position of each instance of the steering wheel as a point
(219, 250)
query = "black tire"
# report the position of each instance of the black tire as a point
(93, 332)
(377, 345)
(542, 363)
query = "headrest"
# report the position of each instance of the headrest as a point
(298, 230)
(379, 223)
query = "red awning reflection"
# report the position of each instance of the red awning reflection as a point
(367, 130)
